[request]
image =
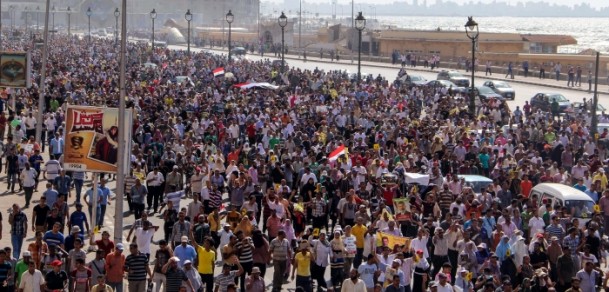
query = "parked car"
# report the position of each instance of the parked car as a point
(544, 101)
(238, 51)
(485, 92)
(501, 87)
(444, 83)
(277, 63)
(409, 80)
(454, 77)
(578, 107)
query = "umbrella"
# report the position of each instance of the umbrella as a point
(229, 75)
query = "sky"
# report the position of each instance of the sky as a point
(593, 3)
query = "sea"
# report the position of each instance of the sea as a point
(590, 33)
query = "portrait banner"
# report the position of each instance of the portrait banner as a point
(92, 139)
(402, 209)
(14, 69)
(385, 239)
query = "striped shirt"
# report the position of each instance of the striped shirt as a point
(52, 169)
(223, 280)
(556, 230)
(280, 249)
(175, 276)
(136, 264)
(245, 250)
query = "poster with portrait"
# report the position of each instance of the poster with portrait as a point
(392, 241)
(92, 139)
(14, 69)
(402, 209)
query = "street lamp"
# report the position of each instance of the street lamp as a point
(89, 13)
(69, 16)
(471, 30)
(116, 15)
(26, 20)
(283, 21)
(360, 24)
(53, 20)
(153, 17)
(229, 18)
(188, 17)
(37, 16)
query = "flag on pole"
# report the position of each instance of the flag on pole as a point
(218, 71)
(340, 150)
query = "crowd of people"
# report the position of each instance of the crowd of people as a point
(296, 181)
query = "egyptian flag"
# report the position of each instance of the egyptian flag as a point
(340, 150)
(218, 72)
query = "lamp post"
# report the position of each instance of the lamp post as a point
(360, 24)
(283, 21)
(471, 30)
(69, 16)
(26, 20)
(53, 24)
(117, 13)
(37, 16)
(188, 17)
(89, 13)
(229, 19)
(153, 17)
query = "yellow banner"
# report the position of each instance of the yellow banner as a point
(385, 239)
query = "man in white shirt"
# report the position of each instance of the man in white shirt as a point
(143, 236)
(536, 225)
(354, 283)
(32, 280)
(443, 285)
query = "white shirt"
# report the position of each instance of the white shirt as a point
(349, 286)
(143, 238)
(536, 225)
(157, 179)
(28, 177)
(421, 244)
(31, 282)
(445, 288)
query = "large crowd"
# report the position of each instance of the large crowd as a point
(296, 181)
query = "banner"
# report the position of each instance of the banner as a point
(385, 239)
(14, 69)
(92, 139)
(402, 209)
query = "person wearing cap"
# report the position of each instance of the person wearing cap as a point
(175, 275)
(254, 282)
(115, 262)
(184, 251)
(57, 278)
(74, 234)
(193, 276)
(137, 268)
(22, 265)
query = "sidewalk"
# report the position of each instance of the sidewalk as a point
(533, 79)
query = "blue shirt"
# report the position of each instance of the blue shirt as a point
(78, 218)
(184, 253)
(51, 196)
(33, 163)
(105, 194)
(63, 184)
(53, 239)
(57, 145)
(89, 195)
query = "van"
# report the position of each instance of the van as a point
(579, 204)
(476, 182)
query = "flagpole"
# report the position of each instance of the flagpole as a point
(122, 130)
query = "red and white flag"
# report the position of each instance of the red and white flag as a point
(340, 150)
(218, 71)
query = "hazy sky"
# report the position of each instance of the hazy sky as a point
(594, 3)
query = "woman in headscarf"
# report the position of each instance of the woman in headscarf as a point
(245, 225)
(520, 249)
(503, 248)
(467, 258)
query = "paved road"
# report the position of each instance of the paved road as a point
(524, 91)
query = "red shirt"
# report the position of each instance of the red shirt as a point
(525, 187)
